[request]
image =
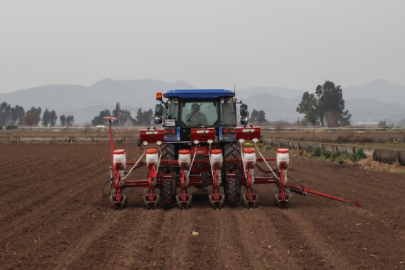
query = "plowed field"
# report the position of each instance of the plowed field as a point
(54, 216)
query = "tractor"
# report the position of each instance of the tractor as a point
(200, 150)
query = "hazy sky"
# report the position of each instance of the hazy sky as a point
(210, 44)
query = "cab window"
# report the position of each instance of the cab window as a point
(228, 114)
(173, 108)
(199, 113)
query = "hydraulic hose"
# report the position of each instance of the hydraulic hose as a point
(263, 170)
(102, 190)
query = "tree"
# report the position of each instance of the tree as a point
(5, 114)
(383, 124)
(32, 117)
(17, 115)
(331, 102)
(53, 118)
(99, 120)
(62, 120)
(147, 117)
(326, 104)
(309, 107)
(46, 117)
(124, 117)
(69, 120)
(117, 111)
(261, 117)
(258, 116)
(254, 115)
(139, 116)
(144, 118)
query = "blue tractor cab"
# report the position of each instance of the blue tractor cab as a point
(188, 109)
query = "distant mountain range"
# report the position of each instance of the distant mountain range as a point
(375, 101)
(137, 93)
(86, 102)
(381, 90)
(274, 91)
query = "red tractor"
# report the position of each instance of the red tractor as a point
(200, 146)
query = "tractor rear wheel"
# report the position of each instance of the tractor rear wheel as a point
(233, 189)
(169, 191)
(232, 150)
(168, 152)
(233, 186)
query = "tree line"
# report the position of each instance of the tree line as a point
(12, 117)
(124, 117)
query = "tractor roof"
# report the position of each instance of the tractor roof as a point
(198, 93)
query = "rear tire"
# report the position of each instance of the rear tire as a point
(232, 150)
(168, 152)
(233, 190)
(169, 192)
(233, 186)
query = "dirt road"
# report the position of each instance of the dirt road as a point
(54, 216)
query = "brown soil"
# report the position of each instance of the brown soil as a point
(54, 216)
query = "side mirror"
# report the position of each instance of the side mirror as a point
(158, 110)
(244, 121)
(243, 110)
(158, 120)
